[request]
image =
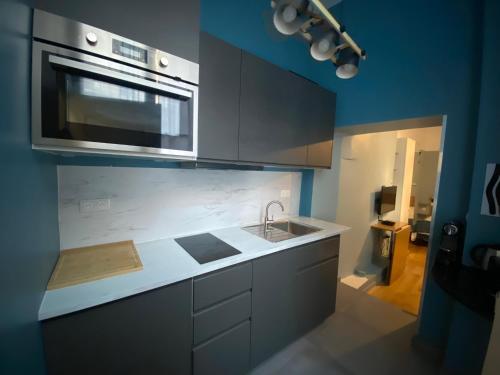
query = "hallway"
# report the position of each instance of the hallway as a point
(405, 292)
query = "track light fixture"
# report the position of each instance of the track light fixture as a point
(347, 63)
(326, 36)
(325, 46)
(289, 16)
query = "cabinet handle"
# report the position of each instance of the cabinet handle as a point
(317, 264)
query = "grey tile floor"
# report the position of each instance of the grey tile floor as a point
(364, 336)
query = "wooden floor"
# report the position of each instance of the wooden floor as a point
(405, 292)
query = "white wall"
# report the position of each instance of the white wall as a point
(326, 187)
(427, 139)
(366, 163)
(424, 176)
(154, 203)
(403, 176)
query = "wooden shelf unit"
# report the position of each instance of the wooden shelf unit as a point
(398, 251)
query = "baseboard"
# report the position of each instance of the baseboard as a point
(370, 283)
(432, 352)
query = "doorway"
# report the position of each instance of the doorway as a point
(405, 154)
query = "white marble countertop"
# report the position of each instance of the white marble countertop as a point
(166, 262)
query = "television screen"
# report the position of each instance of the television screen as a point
(387, 199)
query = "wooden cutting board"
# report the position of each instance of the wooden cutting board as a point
(90, 263)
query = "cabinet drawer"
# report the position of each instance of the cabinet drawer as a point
(218, 318)
(317, 252)
(221, 285)
(228, 353)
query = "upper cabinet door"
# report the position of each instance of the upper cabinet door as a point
(170, 25)
(219, 96)
(318, 126)
(271, 114)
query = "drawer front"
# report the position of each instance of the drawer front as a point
(220, 285)
(227, 354)
(315, 294)
(317, 252)
(218, 318)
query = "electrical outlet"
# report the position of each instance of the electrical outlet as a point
(93, 205)
(285, 194)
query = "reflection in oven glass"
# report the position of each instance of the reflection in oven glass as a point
(102, 111)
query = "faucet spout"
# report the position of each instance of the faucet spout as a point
(266, 218)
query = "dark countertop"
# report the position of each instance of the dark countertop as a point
(471, 286)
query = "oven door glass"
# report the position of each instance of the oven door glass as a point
(85, 103)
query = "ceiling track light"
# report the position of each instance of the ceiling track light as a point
(327, 37)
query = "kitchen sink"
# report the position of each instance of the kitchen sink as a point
(294, 228)
(281, 230)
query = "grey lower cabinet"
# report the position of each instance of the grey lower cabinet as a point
(221, 319)
(293, 292)
(223, 322)
(149, 333)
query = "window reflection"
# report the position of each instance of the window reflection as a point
(99, 89)
(98, 103)
(170, 115)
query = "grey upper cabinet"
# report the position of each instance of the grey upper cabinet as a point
(170, 25)
(219, 97)
(149, 333)
(271, 114)
(318, 124)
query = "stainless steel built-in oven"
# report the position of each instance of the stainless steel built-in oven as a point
(93, 91)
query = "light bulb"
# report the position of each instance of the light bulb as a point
(324, 45)
(289, 14)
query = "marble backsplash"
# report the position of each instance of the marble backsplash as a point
(153, 203)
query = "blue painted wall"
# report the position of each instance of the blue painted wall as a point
(469, 334)
(28, 206)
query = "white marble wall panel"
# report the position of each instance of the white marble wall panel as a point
(154, 203)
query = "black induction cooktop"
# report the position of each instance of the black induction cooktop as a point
(206, 247)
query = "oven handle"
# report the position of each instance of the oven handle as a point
(68, 63)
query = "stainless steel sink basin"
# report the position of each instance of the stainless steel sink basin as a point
(281, 230)
(294, 228)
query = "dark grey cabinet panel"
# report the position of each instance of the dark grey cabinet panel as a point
(318, 126)
(219, 98)
(221, 317)
(272, 125)
(149, 333)
(317, 252)
(226, 354)
(293, 291)
(220, 285)
(170, 25)
(273, 315)
(316, 290)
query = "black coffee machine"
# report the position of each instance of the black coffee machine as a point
(487, 257)
(451, 247)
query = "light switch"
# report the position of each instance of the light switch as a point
(93, 205)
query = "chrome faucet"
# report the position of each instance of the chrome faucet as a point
(266, 218)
